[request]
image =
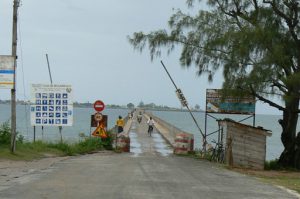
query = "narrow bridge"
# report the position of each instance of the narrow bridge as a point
(149, 171)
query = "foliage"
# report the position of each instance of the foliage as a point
(38, 149)
(85, 146)
(141, 104)
(113, 106)
(5, 132)
(29, 151)
(272, 165)
(154, 106)
(256, 43)
(130, 105)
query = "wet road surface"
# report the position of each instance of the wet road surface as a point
(150, 171)
(141, 143)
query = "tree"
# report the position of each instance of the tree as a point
(130, 106)
(141, 104)
(197, 107)
(256, 43)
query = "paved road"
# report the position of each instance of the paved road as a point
(148, 172)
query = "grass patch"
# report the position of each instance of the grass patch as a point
(292, 183)
(39, 149)
(29, 151)
(289, 179)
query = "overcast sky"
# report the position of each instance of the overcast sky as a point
(88, 48)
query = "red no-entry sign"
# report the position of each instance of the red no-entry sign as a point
(99, 105)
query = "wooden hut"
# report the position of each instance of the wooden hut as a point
(245, 145)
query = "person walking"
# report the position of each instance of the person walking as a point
(150, 123)
(139, 117)
(120, 124)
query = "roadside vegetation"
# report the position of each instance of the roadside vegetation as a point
(35, 150)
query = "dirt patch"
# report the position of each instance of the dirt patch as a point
(11, 171)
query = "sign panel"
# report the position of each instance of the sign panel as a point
(51, 105)
(98, 117)
(230, 104)
(101, 126)
(6, 72)
(103, 121)
(99, 106)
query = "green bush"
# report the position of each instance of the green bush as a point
(107, 142)
(85, 146)
(89, 145)
(39, 148)
(62, 146)
(5, 133)
(272, 165)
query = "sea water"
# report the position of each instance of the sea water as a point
(81, 123)
(182, 120)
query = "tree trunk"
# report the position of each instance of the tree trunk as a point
(290, 156)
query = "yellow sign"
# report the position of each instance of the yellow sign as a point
(100, 131)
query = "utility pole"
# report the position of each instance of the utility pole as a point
(49, 68)
(13, 90)
(185, 104)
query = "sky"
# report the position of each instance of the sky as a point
(87, 45)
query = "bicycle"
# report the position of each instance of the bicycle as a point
(150, 129)
(218, 153)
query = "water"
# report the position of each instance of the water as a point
(81, 123)
(183, 120)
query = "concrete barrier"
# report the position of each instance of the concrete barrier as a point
(123, 143)
(122, 140)
(170, 132)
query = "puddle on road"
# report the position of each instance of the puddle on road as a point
(135, 146)
(161, 146)
(133, 126)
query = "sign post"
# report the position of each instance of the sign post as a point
(100, 120)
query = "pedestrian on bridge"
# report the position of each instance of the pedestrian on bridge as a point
(120, 124)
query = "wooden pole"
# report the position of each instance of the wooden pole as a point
(60, 132)
(42, 133)
(13, 90)
(186, 105)
(33, 133)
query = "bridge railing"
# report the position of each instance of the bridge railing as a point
(170, 132)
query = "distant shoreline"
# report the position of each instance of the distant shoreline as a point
(89, 105)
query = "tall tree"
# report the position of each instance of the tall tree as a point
(257, 43)
(130, 105)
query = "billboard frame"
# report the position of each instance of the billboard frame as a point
(210, 114)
